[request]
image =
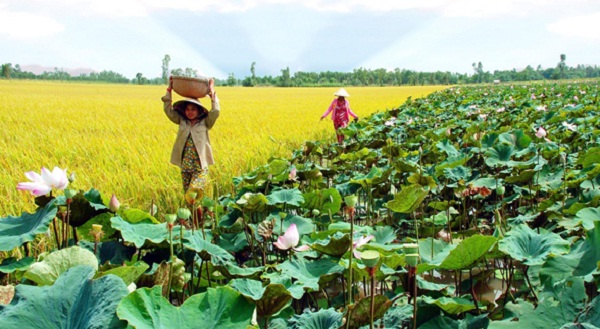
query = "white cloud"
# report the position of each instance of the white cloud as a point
(582, 26)
(25, 25)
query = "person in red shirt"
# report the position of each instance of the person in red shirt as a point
(341, 112)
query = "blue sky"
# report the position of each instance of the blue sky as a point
(219, 37)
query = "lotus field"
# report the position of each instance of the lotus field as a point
(472, 207)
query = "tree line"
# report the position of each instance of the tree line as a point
(358, 77)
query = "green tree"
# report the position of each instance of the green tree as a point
(165, 68)
(562, 66)
(231, 81)
(253, 72)
(6, 70)
(139, 78)
(286, 80)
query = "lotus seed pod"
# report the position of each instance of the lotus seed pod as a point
(184, 213)
(170, 218)
(411, 248)
(351, 200)
(370, 258)
(412, 259)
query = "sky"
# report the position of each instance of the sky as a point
(222, 37)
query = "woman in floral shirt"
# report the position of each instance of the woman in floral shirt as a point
(341, 112)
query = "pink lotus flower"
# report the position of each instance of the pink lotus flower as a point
(293, 173)
(114, 204)
(42, 184)
(290, 239)
(358, 243)
(541, 133)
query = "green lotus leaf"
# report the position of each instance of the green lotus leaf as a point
(335, 246)
(446, 146)
(524, 244)
(488, 182)
(588, 217)
(374, 177)
(304, 225)
(253, 202)
(278, 166)
(592, 313)
(454, 305)
(220, 308)
(135, 216)
(408, 199)
(323, 319)
(56, 263)
(590, 252)
(197, 243)
(326, 200)
(139, 233)
(361, 312)
(311, 272)
(523, 177)
(499, 155)
(480, 321)
(103, 219)
(10, 265)
(558, 305)
(468, 252)
(424, 180)
(384, 234)
(83, 207)
(515, 138)
(294, 287)
(15, 231)
(269, 300)
(110, 251)
(355, 156)
(455, 174)
(232, 271)
(451, 163)
(285, 197)
(129, 274)
(74, 301)
(488, 140)
(590, 157)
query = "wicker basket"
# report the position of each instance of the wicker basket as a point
(190, 87)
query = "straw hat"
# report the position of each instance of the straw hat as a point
(179, 106)
(341, 93)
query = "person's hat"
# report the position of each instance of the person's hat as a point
(341, 93)
(179, 106)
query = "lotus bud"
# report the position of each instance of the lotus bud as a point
(541, 133)
(370, 258)
(72, 177)
(70, 193)
(184, 213)
(283, 215)
(412, 259)
(500, 190)
(114, 204)
(316, 212)
(170, 218)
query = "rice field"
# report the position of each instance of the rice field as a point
(116, 138)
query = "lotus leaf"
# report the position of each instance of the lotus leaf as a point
(336, 245)
(524, 244)
(56, 263)
(291, 197)
(74, 301)
(468, 252)
(269, 300)
(452, 305)
(196, 242)
(9, 265)
(322, 319)
(15, 231)
(408, 199)
(139, 233)
(220, 308)
(311, 272)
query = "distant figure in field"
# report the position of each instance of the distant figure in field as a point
(341, 112)
(192, 152)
